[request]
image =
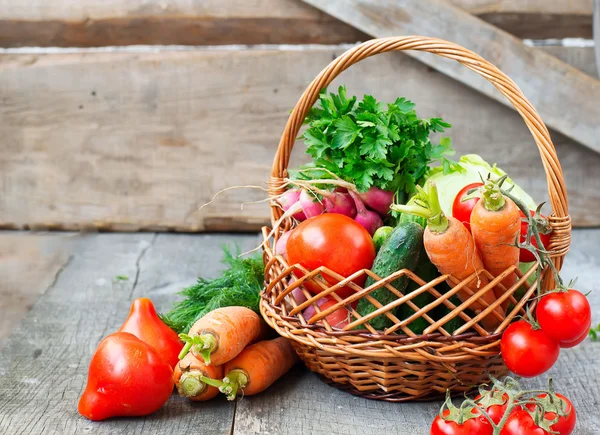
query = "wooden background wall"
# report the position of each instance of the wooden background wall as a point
(137, 138)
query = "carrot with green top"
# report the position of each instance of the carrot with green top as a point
(257, 368)
(190, 376)
(496, 225)
(222, 334)
(451, 249)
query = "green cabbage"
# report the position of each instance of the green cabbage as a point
(474, 169)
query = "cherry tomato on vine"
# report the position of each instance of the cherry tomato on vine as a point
(496, 411)
(462, 210)
(334, 241)
(478, 425)
(564, 425)
(564, 315)
(525, 256)
(568, 344)
(528, 352)
(520, 423)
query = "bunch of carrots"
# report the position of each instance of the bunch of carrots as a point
(227, 351)
(495, 225)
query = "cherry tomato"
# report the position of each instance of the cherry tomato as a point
(338, 319)
(478, 425)
(525, 256)
(462, 210)
(496, 412)
(564, 316)
(520, 423)
(127, 377)
(564, 425)
(144, 323)
(528, 352)
(334, 241)
(568, 344)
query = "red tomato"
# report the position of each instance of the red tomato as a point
(568, 344)
(144, 323)
(520, 423)
(478, 425)
(564, 425)
(335, 241)
(526, 351)
(526, 256)
(462, 210)
(127, 377)
(564, 316)
(338, 319)
(496, 412)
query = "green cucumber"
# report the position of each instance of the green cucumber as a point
(380, 236)
(401, 250)
(427, 272)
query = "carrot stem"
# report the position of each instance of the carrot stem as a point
(493, 200)
(192, 384)
(438, 221)
(203, 345)
(235, 380)
(210, 381)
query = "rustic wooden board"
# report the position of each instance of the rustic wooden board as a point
(117, 22)
(128, 141)
(301, 403)
(572, 105)
(29, 263)
(43, 367)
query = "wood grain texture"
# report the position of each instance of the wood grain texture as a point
(43, 367)
(301, 403)
(129, 141)
(117, 22)
(44, 364)
(571, 107)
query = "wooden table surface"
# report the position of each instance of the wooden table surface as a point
(44, 362)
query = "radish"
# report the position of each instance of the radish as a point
(288, 199)
(378, 200)
(367, 218)
(338, 202)
(338, 319)
(281, 245)
(297, 294)
(310, 206)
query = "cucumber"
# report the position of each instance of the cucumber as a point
(401, 250)
(380, 236)
(427, 272)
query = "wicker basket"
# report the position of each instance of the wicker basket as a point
(395, 364)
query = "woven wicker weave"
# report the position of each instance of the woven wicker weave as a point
(395, 364)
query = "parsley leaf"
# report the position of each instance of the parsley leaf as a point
(375, 144)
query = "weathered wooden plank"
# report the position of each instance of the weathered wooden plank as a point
(43, 367)
(28, 264)
(117, 22)
(128, 141)
(301, 403)
(570, 108)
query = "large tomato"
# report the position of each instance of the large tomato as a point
(478, 425)
(338, 319)
(461, 210)
(334, 241)
(525, 255)
(564, 425)
(528, 352)
(564, 315)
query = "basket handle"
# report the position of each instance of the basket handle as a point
(559, 219)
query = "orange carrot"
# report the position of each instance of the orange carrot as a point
(257, 367)
(451, 249)
(222, 334)
(495, 225)
(190, 374)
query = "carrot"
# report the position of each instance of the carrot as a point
(257, 367)
(190, 375)
(222, 334)
(496, 225)
(450, 248)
